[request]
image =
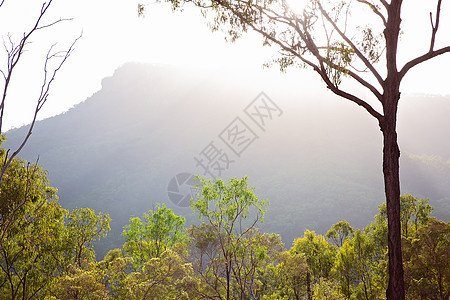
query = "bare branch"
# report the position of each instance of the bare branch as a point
(422, 59)
(322, 73)
(375, 10)
(357, 100)
(335, 89)
(295, 23)
(353, 46)
(41, 100)
(14, 54)
(385, 4)
(431, 52)
(53, 23)
(435, 26)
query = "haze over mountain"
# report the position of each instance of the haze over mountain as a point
(317, 160)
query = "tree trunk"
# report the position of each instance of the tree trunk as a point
(391, 153)
(308, 285)
(228, 275)
(391, 156)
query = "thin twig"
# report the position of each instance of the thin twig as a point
(435, 26)
(41, 100)
(431, 52)
(375, 10)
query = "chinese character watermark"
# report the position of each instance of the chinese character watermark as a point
(213, 160)
(238, 136)
(262, 110)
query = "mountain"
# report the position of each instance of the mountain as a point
(316, 158)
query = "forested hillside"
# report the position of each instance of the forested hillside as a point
(47, 252)
(317, 162)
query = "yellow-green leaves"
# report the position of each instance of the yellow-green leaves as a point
(229, 204)
(149, 238)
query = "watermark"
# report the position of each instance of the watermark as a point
(181, 188)
(238, 136)
(222, 152)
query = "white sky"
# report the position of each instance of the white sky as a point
(113, 34)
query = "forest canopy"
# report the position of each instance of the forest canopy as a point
(47, 252)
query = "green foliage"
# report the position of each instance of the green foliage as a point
(345, 270)
(85, 227)
(80, 284)
(164, 277)
(319, 254)
(368, 273)
(326, 290)
(234, 250)
(315, 37)
(227, 205)
(359, 268)
(413, 213)
(339, 232)
(286, 278)
(370, 267)
(427, 261)
(252, 254)
(22, 183)
(159, 231)
(370, 44)
(37, 245)
(32, 231)
(47, 253)
(140, 9)
(115, 267)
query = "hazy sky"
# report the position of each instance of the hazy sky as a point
(113, 34)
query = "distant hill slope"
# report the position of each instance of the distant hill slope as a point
(318, 162)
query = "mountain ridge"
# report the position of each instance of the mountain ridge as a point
(318, 162)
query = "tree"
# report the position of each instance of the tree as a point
(253, 253)
(226, 207)
(37, 245)
(325, 290)
(344, 268)
(80, 284)
(319, 255)
(339, 232)
(85, 227)
(15, 50)
(287, 277)
(369, 266)
(427, 261)
(359, 268)
(115, 267)
(31, 231)
(414, 212)
(165, 277)
(161, 230)
(324, 38)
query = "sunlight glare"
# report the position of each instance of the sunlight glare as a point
(297, 6)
